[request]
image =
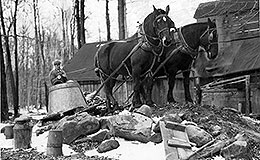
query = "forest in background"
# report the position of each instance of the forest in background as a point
(27, 49)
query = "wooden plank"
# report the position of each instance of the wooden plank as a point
(170, 152)
(174, 152)
(178, 143)
(175, 126)
(182, 152)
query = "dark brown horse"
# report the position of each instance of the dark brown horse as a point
(189, 38)
(134, 57)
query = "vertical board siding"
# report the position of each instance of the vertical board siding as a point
(159, 94)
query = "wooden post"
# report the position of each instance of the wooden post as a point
(247, 83)
(54, 144)
(22, 133)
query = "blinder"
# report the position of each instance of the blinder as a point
(165, 18)
(210, 33)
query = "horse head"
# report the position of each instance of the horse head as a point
(157, 27)
(209, 40)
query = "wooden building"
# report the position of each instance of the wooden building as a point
(236, 70)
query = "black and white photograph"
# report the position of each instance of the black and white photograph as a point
(130, 79)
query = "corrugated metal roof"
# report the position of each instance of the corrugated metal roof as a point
(81, 66)
(221, 7)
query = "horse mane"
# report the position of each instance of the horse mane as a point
(197, 23)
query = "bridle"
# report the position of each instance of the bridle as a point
(158, 32)
(209, 32)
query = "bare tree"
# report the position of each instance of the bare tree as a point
(108, 21)
(16, 106)
(8, 61)
(4, 105)
(122, 19)
(82, 22)
(78, 22)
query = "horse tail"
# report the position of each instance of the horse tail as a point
(96, 62)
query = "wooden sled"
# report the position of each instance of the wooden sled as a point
(176, 143)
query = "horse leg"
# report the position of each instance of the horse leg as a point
(171, 83)
(108, 88)
(186, 84)
(149, 88)
(137, 87)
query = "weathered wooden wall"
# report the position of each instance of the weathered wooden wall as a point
(230, 96)
(224, 98)
(159, 90)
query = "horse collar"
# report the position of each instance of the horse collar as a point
(142, 32)
(186, 48)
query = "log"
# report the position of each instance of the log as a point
(54, 144)
(22, 135)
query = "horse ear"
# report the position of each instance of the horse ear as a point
(209, 21)
(167, 9)
(154, 9)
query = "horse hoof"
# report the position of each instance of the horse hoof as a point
(190, 103)
(172, 103)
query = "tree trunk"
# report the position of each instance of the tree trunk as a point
(108, 22)
(37, 54)
(122, 19)
(72, 31)
(16, 103)
(4, 104)
(8, 57)
(78, 23)
(82, 22)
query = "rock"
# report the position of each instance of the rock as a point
(100, 136)
(198, 135)
(156, 128)
(3, 130)
(145, 110)
(167, 117)
(215, 130)
(156, 138)
(108, 145)
(234, 150)
(132, 127)
(172, 118)
(77, 125)
(211, 150)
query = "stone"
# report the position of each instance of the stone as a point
(198, 135)
(167, 117)
(234, 149)
(156, 138)
(215, 130)
(108, 145)
(145, 110)
(76, 125)
(100, 136)
(132, 127)
(172, 118)
(156, 128)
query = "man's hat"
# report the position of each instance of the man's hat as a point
(57, 62)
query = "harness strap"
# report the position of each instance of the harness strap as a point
(117, 69)
(163, 63)
(149, 71)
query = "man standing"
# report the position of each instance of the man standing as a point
(57, 74)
